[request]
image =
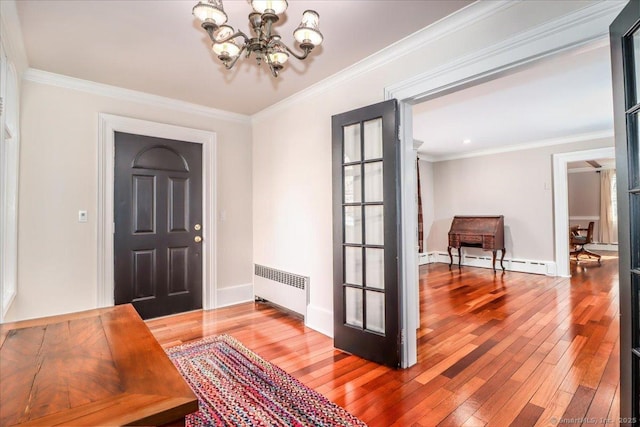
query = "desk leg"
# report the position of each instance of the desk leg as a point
(450, 257)
(494, 260)
(459, 257)
(501, 259)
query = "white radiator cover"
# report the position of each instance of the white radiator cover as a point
(287, 290)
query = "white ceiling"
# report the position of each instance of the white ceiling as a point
(158, 47)
(557, 98)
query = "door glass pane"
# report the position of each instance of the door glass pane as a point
(375, 311)
(634, 210)
(353, 306)
(633, 150)
(353, 265)
(374, 225)
(351, 143)
(352, 184)
(353, 224)
(375, 267)
(636, 63)
(635, 309)
(373, 139)
(373, 182)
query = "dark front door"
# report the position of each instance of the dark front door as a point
(365, 237)
(158, 224)
(625, 65)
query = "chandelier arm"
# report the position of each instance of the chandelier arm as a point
(306, 49)
(233, 36)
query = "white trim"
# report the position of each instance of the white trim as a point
(233, 295)
(107, 126)
(575, 29)
(409, 276)
(602, 247)
(584, 218)
(319, 319)
(423, 258)
(547, 268)
(561, 200)
(11, 35)
(449, 25)
(66, 82)
(9, 182)
(590, 136)
(590, 169)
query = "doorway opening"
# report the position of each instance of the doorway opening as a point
(491, 63)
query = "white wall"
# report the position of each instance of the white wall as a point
(515, 184)
(584, 199)
(292, 147)
(58, 176)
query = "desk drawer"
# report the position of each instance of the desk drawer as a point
(473, 239)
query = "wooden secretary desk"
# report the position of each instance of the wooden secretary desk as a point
(486, 232)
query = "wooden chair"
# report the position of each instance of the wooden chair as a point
(578, 242)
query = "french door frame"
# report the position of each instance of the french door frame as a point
(110, 124)
(584, 26)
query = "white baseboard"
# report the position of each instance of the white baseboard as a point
(423, 258)
(234, 295)
(547, 268)
(602, 247)
(319, 319)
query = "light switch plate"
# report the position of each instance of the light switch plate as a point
(82, 216)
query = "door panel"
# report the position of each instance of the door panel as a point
(625, 65)
(365, 183)
(158, 203)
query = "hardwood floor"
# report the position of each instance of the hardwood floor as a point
(494, 349)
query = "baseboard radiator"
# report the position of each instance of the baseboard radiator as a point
(284, 289)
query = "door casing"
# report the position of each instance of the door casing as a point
(107, 126)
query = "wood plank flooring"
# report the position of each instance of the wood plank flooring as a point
(493, 349)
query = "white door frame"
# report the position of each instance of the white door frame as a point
(107, 126)
(583, 26)
(561, 200)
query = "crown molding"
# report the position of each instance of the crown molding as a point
(448, 25)
(586, 25)
(519, 147)
(66, 82)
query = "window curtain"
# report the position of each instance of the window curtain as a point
(608, 206)
(420, 230)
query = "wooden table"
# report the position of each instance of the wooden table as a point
(97, 367)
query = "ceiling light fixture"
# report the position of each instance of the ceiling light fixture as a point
(265, 44)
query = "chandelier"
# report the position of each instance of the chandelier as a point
(265, 44)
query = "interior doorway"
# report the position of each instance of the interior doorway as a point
(491, 63)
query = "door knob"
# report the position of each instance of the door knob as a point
(197, 239)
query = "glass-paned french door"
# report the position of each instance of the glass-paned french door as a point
(365, 183)
(625, 59)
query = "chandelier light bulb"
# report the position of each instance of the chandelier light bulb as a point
(278, 56)
(210, 11)
(271, 6)
(227, 48)
(309, 29)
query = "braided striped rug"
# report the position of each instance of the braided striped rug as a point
(236, 387)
